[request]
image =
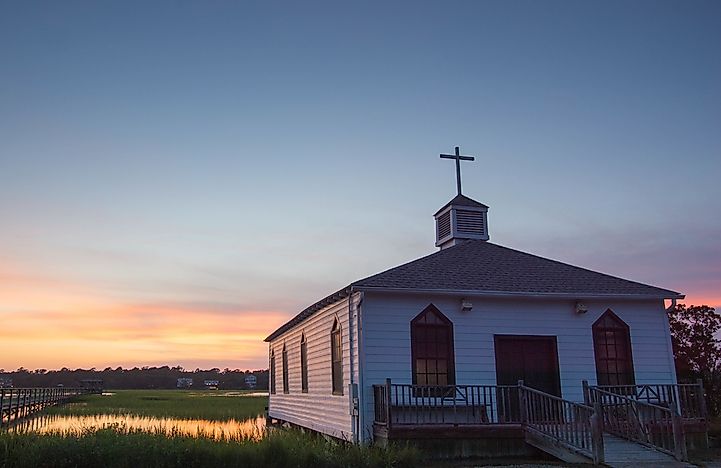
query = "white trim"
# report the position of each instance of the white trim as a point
(473, 292)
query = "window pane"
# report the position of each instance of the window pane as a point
(431, 342)
(612, 350)
(336, 362)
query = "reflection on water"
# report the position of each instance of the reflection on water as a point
(231, 430)
(229, 393)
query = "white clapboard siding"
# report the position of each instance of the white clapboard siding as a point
(318, 409)
(385, 321)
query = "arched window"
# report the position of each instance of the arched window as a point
(272, 372)
(612, 348)
(303, 364)
(286, 388)
(336, 357)
(432, 348)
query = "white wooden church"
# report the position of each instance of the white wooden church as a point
(442, 342)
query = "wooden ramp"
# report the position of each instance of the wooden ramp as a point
(619, 453)
(623, 453)
(616, 431)
(557, 448)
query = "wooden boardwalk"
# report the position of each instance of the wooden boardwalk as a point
(17, 403)
(621, 453)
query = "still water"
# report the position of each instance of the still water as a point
(231, 430)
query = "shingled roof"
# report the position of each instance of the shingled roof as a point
(462, 200)
(480, 267)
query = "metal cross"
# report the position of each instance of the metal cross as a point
(458, 159)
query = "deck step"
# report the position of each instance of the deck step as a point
(621, 453)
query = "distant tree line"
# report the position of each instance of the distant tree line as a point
(136, 378)
(697, 349)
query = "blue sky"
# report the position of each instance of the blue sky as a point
(237, 161)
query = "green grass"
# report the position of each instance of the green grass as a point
(120, 447)
(181, 404)
(111, 449)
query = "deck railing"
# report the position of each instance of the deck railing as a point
(574, 425)
(689, 399)
(660, 427)
(443, 405)
(652, 415)
(16, 403)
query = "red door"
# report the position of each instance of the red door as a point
(533, 359)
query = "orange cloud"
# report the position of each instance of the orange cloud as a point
(52, 324)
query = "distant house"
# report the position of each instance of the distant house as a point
(211, 384)
(6, 382)
(451, 340)
(92, 385)
(184, 382)
(251, 381)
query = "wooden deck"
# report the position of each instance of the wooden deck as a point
(449, 431)
(643, 425)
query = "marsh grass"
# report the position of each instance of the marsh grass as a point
(180, 404)
(120, 446)
(119, 449)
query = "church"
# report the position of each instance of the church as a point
(467, 338)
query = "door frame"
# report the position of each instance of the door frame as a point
(554, 354)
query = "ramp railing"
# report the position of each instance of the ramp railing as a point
(656, 426)
(573, 426)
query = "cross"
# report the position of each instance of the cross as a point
(458, 159)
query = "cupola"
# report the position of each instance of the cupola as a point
(462, 218)
(459, 220)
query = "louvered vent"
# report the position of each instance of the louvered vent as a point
(470, 222)
(443, 225)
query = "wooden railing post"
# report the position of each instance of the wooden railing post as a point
(679, 438)
(522, 413)
(597, 434)
(388, 404)
(701, 399)
(586, 396)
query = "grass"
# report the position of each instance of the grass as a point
(181, 404)
(120, 447)
(112, 449)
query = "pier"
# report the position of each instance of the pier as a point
(17, 403)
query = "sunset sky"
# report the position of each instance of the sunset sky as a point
(179, 178)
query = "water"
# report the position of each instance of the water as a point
(231, 430)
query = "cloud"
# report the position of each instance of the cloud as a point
(52, 323)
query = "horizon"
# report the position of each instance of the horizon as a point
(177, 180)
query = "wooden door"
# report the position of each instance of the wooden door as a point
(533, 359)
